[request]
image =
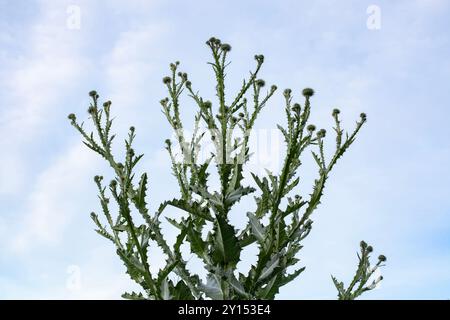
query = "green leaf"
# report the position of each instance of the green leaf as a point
(237, 194)
(163, 273)
(237, 286)
(139, 198)
(212, 288)
(165, 289)
(290, 277)
(194, 208)
(198, 246)
(271, 289)
(256, 227)
(182, 292)
(269, 268)
(226, 250)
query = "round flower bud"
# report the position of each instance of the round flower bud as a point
(260, 83)
(132, 129)
(241, 115)
(72, 117)
(336, 112)
(91, 110)
(296, 108)
(369, 249)
(107, 104)
(207, 104)
(225, 47)
(273, 88)
(308, 92)
(93, 94)
(188, 84)
(321, 133)
(297, 197)
(311, 127)
(167, 80)
(131, 152)
(168, 142)
(287, 92)
(363, 244)
(363, 116)
(113, 184)
(97, 179)
(382, 258)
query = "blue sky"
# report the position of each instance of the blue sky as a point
(391, 188)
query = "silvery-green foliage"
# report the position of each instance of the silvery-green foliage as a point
(278, 225)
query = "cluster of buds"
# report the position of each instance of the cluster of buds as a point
(215, 43)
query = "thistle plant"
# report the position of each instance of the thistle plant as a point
(279, 222)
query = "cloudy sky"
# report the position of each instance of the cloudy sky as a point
(391, 189)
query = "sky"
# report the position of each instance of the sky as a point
(389, 59)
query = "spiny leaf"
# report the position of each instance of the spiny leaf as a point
(182, 292)
(226, 250)
(256, 227)
(212, 288)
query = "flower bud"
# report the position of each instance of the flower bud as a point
(287, 92)
(225, 47)
(260, 83)
(91, 110)
(259, 58)
(132, 129)
(369, 249)
(207, 104)
(98, 179)
(321, 133)
(363, 244)
(113, 184)
(363, 116)
(311, 128)
(167, 80)
(382, 258)
(72, 117)
(107, 104)
(273, 88)
(93, 94)
(308, 92)
(336, 112)
(296, 108)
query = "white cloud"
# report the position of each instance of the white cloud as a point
(55, 199)
(36, 81)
